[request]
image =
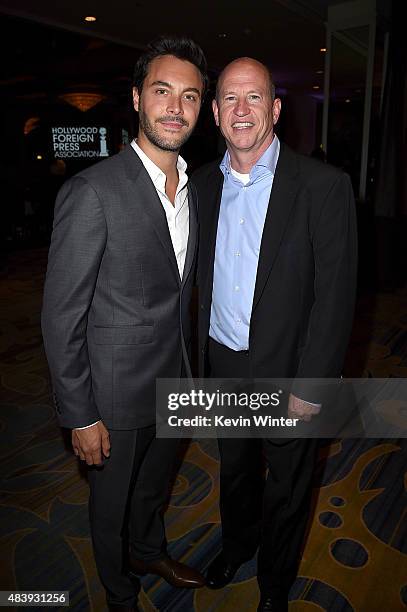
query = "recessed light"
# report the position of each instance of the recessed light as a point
(39, 157)
(323, 49)
(347, 100)
(222, 35)
(90, 18)
(315, 87)
(319, 72)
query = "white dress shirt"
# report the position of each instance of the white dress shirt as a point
(177, 214)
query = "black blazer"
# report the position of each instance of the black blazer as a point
(115, 313)
(306, 278)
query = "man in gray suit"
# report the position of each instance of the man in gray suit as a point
(116, 317)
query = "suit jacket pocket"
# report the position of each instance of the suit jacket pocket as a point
(123, 334)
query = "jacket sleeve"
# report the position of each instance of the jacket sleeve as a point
(77, 247)
(334, 242)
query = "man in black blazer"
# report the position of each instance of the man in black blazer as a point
(116, 317)
(277, 276)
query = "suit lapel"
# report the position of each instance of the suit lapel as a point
(192, 236)
(151, 204)
(213, 206)
(282, 197)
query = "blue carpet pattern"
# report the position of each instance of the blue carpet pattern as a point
(355, 557)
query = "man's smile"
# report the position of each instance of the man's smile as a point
(242, 125)
(173, 124)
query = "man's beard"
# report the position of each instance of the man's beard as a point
(169, 143)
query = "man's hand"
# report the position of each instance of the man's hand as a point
(300, 409)
(89, 444)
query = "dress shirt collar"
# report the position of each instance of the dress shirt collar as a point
(156, 174)
(268, 160)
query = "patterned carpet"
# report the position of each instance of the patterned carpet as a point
(356, 554)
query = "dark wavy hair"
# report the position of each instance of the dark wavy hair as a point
(181, 47)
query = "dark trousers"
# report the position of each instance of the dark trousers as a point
(127, 496)
(267, 513)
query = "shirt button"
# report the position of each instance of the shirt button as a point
(241, 221)
(237, 288)
(237, 253)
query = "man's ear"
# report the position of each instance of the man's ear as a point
(276, 110)
(215, 110)
(136, 99)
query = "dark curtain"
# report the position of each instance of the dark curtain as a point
(390, 196)
(391, 180)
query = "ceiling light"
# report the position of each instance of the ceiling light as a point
(319, 72)
(315, 87)
(222, 35)
(90, 18)
(31, 124)
(39, 157)
(347, 100)
(323, 49)
(83, 101)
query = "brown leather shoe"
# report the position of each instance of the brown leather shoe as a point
(175, 573)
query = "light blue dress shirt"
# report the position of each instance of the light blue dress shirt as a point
(242, 214)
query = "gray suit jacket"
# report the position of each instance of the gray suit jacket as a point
(115, 313)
